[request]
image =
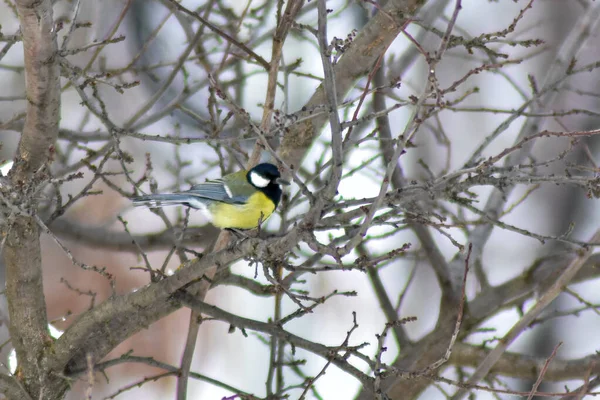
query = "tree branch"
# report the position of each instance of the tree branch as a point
(22, 255)
(11, 388)
(98, 331)
(522, 366)
(372, 41)
(101, 237)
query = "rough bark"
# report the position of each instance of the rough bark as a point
(22, 255)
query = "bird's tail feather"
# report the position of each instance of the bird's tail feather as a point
(162, 200)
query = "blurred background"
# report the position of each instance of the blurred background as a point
(154, 40)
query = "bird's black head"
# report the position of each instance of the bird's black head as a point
(266, 178)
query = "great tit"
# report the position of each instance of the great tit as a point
(241, 200)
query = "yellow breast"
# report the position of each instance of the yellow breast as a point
(242, 216)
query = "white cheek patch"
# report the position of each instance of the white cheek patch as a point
(258, 181)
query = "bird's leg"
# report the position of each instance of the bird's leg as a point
(260, 221)
(238, 233)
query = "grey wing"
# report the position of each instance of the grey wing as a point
(215, 190)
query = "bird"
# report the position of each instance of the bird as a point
(238, 201)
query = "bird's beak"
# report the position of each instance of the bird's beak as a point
(282, 181)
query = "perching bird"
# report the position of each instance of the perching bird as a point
(240, 200)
